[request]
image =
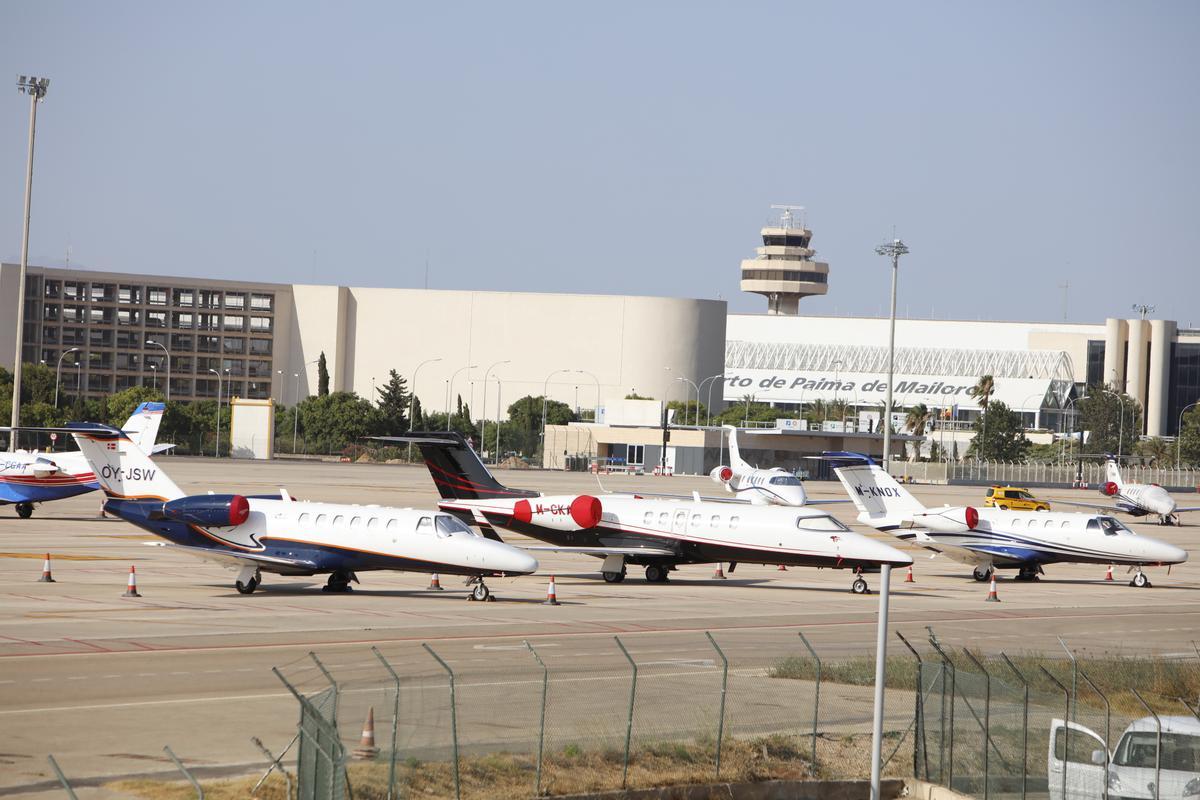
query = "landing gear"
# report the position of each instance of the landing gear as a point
(614, 577)
(339, 581)
(1028, 573)
(859, 586)
(982, 574)
(481, 592)
(1169, 519)
(657, 573)
(24, 510)
(247, 584)
(1140, 580)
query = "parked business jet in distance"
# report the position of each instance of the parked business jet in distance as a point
(1136, 499)
(761, 487)
(285, 536)
(990, 538)
(27, 478)
(656, 533)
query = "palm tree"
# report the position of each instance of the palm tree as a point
(982, 392)
(918, 419)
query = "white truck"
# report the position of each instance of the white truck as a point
(1131, 767)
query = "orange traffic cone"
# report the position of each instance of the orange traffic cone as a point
(366, 750)
(551, 594)
(992, 596)
(131, 587)
(435, 584)
(909, 578)
(1107, 576)
(46, 578)
(719, 575)
(782, 568)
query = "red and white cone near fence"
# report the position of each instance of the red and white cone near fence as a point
(992, 596)
(1107, 576)
(131, 587)
(46, 577)
(908, 578)
(782, 568)
(719, 575)
(366, 750)
(551, 594)
(435, 583)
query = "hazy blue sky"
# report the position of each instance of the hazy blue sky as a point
(622, 147)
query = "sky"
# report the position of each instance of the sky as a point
(622, 148)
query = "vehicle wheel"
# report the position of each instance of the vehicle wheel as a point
(614, 577)
(248, 587)
(859, 586)
(980, 574)
(24, 510)
(656, 574)
(1140, 581)
(480, 592)
(1003, 508)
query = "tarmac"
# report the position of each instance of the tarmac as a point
(103, 682)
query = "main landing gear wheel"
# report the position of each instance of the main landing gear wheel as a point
(1140, 580)
(24, 510)
(656, 573)
(1027, 574)
(1003, 508)
(249, 586)
(859, 586)
(481, 593)
(338, 582)
(614, 577)
(982, 574)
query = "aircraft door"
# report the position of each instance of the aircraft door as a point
(1077, 772)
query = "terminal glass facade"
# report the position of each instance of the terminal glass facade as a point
(1185, 381)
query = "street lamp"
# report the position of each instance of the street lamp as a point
(296, 404)
(483, 402)
(596, 411)
(58, 372)
(685, 402)
(708, 397)
(450, 389)
(154, 376)
(1121, 425)
(217, 450)
(36, 89)
(168, 352)
(278, 372)
(545, 390)
(893, 250)
(1179, 433)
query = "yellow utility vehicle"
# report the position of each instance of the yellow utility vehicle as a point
(1015, 498)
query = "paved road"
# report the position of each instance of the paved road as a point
(104, 681)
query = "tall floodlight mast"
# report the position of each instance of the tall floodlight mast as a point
(893, 249)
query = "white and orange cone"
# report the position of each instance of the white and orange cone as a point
(131, 587)
(1107, 576)
(551, 594)
(719, 575)
(782, 568)
(435, 583)
(46, 577)
(992, 596)
(366, 750)
(908, 578)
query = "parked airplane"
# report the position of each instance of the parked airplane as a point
(656, 533)
(774, 486)
(991, 538)
(1136, 499)
(32, 477)
(286, 536)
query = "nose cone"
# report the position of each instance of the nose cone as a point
(863, 548)
(504, 558)
(1164, 553)
(1162, 502)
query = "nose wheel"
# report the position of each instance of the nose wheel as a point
(481, 593)
(1140, 580)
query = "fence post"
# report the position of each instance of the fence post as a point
(948, 665)
(542, 720)
(1107, 724)
(632, 697)
(816, 698)
(329, 678)
(61, 778)
(987, 721)
(453, 717)
(395, 722)
(1066, 727)
(186, 774)
(918, 715)
(724, 689)
(1157, 743)
(275, 762)
(1074, 681)
(1024, 724)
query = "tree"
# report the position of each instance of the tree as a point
(392, 402)
(322, 376)
(688, 413)
(999, 433)
(982, 392)
(1157, 451)
(918, 419)
(1189, 437)
(1111, 421)
(418, 420)
(525, 422)
(333, 421)
(636, 396)
(122, 404)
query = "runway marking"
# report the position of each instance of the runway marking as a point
(60, 556)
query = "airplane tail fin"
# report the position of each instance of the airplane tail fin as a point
(1112, 473)
(735, 456)
(122, 468)
(455, 468)
(142, 427)
(882, 503)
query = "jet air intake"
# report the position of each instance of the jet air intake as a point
(1109, 489)
(565, 513)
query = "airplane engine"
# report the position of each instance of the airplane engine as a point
(721, 474)
(208, 510)
(1109, 489)
(949, 520)
(566, 513)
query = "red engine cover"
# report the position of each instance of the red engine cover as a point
(1109, 489)
(522, 511)
(971, 516)
(726, 474)
(586, 511)
(239, 509)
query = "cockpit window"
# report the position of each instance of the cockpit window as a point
(451, 526)
(1112, 527)
(822, 523)
(785, 480)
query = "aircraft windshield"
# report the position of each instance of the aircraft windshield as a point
(1180, 751)
(785, 480)
(451, 526)
(822, 523)
(1112, 526)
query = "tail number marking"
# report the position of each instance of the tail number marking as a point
(109, 472)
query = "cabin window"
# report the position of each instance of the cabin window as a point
(425, 525)
(355, 522)
(322, 519)
(1018, 523)
(304, 519)
(373, 522)
(715, 521)
(391, 524)
(1047, 524)
(1065, 524)
(339, 519)
(664, 519)
(733, 522)
(649, 518)
(696, 519)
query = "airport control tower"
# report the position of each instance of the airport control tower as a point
(783, 271)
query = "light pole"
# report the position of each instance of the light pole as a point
(36, 89)
(496, 460)
(1179, 434)
(1120, 426)
(893, 249)
(168, 352)
(483, 402)
(58, 372)
(217, 449)
(685, 402)
(708, 397)
(545, 390)
(450, 389)
(596, 411)
(278, 372)
(154, 376)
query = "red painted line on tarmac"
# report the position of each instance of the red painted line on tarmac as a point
(87, 644)
(23, 641)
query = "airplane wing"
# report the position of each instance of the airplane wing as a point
(1095, 506)
(606, 551)
(963, 555)
(732, 500)
(231, 558)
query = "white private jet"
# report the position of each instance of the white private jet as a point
(282, 535)
(1136, 499)
(761, 487)
(991, 538)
